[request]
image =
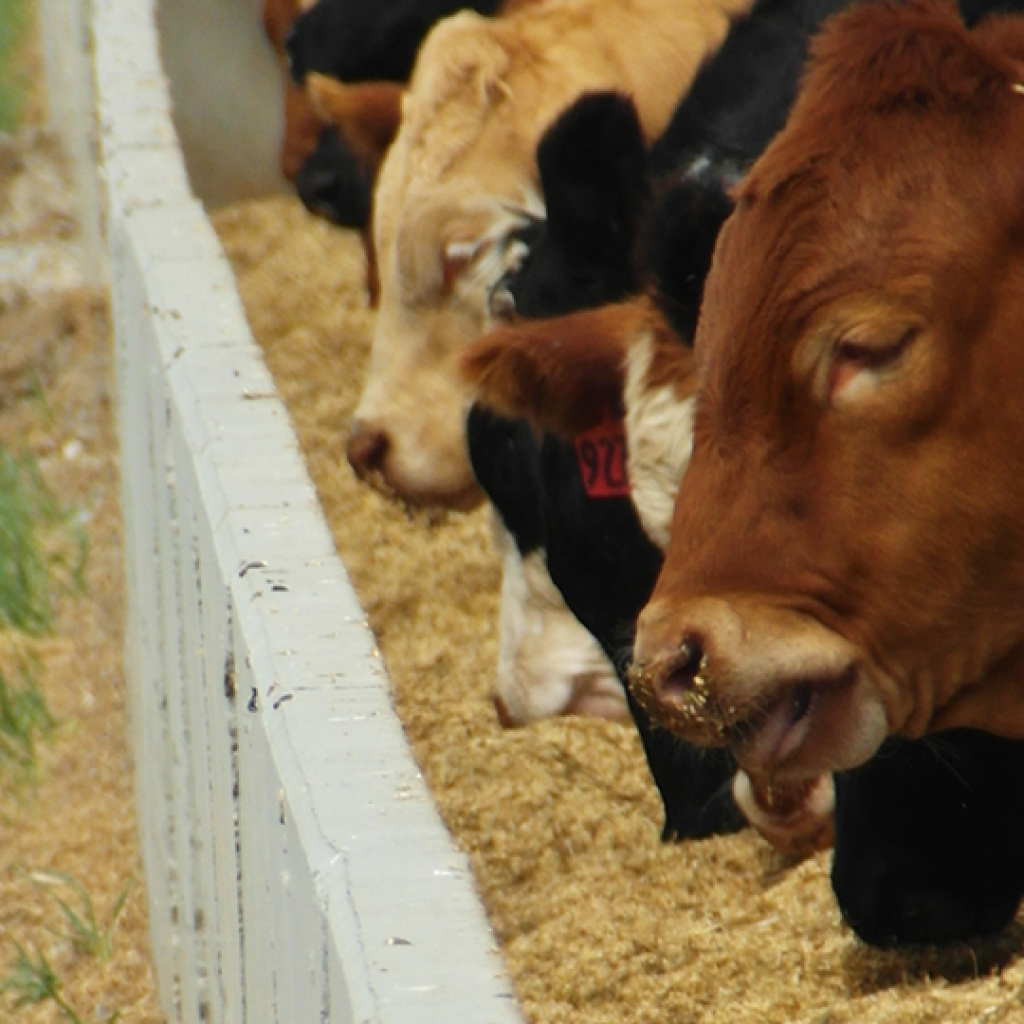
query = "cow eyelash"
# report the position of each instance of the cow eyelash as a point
(873, 357)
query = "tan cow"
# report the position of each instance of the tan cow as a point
(461, 175)
(847, 549)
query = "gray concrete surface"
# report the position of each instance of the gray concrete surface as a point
(226, 97)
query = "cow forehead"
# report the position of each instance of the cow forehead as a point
(845, 240)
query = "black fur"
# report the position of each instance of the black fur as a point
(679, 242)
(592, 168)
(605, 567)
(333, 183)
(930, 839)
(365, 40)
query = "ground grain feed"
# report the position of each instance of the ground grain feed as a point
(599, 922)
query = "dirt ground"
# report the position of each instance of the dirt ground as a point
(55, 402)
(598, 921)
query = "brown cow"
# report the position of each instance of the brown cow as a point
(847, 552)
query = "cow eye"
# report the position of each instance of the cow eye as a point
(851, 356)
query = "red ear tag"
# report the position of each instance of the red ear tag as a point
(601, 454)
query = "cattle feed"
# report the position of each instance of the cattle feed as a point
(559, 820)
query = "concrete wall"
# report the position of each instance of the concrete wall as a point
(297, 868)
(226, 95)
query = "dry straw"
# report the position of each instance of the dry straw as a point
(599, 922)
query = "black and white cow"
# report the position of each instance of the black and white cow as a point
(598, 180)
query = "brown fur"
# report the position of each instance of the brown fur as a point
(857, 443)
(302, 124)
(366, 114)
(564, 374)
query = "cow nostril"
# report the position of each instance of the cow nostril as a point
(367, 451)
(687, 675)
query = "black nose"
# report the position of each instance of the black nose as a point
(297, 64)
(333, 184)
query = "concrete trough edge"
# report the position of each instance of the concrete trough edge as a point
(337, 813)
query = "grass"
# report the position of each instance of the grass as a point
(31, 978)
(89, 935)
(42, 554)
(25, 718)
(42, 549)
(14, 21)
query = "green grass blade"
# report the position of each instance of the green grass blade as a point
(13, 25)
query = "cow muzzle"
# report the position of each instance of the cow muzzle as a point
(777, 686)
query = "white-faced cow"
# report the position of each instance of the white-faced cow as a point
(461, 176)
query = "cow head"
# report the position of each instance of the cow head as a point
(453, 188)
(847, 555)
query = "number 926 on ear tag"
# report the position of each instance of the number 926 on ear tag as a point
(601, 454)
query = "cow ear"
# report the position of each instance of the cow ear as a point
(564, 374)
(367, 115)
(592, 163)
(679, 239)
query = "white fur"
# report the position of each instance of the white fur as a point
(659, 434)
(548, 664)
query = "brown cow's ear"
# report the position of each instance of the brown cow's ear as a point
(302, 128)
(367, 114)
(564, 375)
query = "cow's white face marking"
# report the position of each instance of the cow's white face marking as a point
(548, 664)
(659, 433)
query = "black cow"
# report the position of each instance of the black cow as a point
(365, 41)
(930, 839)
